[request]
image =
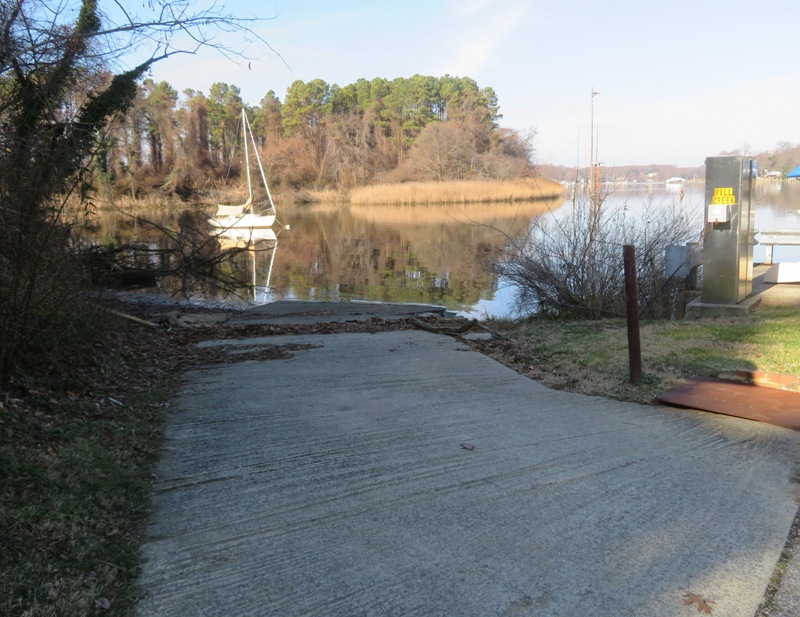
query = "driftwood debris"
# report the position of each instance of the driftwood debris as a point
(444, 329)
(459, 330)
(496, 333)
(136, 320)
(194, 320)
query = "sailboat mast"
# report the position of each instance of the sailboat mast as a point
(245, 127)
(260, 166)
(593, 172)
(591, 148)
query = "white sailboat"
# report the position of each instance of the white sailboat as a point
(254, 213)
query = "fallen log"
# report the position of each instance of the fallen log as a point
(136, 320)
(496, 333)
(443, 329)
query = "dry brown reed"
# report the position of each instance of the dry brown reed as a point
(322, 196)
(457, 192)
(132, 205)
(400, 194)
(211, 197)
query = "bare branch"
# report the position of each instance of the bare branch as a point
(173, 28)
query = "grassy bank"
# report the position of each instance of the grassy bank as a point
(457, 192)
(591, 357)
(76, 458)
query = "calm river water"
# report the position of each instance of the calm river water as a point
(436, 254)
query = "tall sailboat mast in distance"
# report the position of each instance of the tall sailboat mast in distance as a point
(594, 172)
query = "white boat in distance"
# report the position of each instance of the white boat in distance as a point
(245, 216)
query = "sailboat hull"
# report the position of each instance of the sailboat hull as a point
(246, 221)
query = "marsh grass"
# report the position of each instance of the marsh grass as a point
(457, 192)
(406, 194)
(591, 357)
(152, 202)
(319, 196)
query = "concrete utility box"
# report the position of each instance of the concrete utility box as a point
(729, 229)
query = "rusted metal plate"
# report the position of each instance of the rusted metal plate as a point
(733, 398)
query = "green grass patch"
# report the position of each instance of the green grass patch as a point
(591, 357)
(76, 458)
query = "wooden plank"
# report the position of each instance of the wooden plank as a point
(742, 400)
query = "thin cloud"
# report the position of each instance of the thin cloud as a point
(480, 39)
(468, 8)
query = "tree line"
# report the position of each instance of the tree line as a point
(320, 136)
(780, 160)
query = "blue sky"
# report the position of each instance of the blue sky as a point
(678, 80)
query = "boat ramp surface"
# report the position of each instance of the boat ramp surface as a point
(402, 473)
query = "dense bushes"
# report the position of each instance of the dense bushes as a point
(571, 264)
(47, 324)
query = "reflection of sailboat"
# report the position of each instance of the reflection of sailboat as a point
(244, 238)
(262, 294)
(244, 216)
(255, 242)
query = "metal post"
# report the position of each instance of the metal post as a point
(592, 153)
(632, 311)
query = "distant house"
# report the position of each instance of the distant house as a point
(771, 174)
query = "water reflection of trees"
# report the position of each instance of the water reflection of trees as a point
(432, 254)
(437, 255)
(171, 249)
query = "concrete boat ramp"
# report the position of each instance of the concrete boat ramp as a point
(401, 473)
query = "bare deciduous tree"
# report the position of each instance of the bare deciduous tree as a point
(62, 81)
(571, 264)
(442, 151)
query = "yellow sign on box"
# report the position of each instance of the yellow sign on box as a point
(723, 196)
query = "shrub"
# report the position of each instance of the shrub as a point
(47, 320)
(571, 264)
